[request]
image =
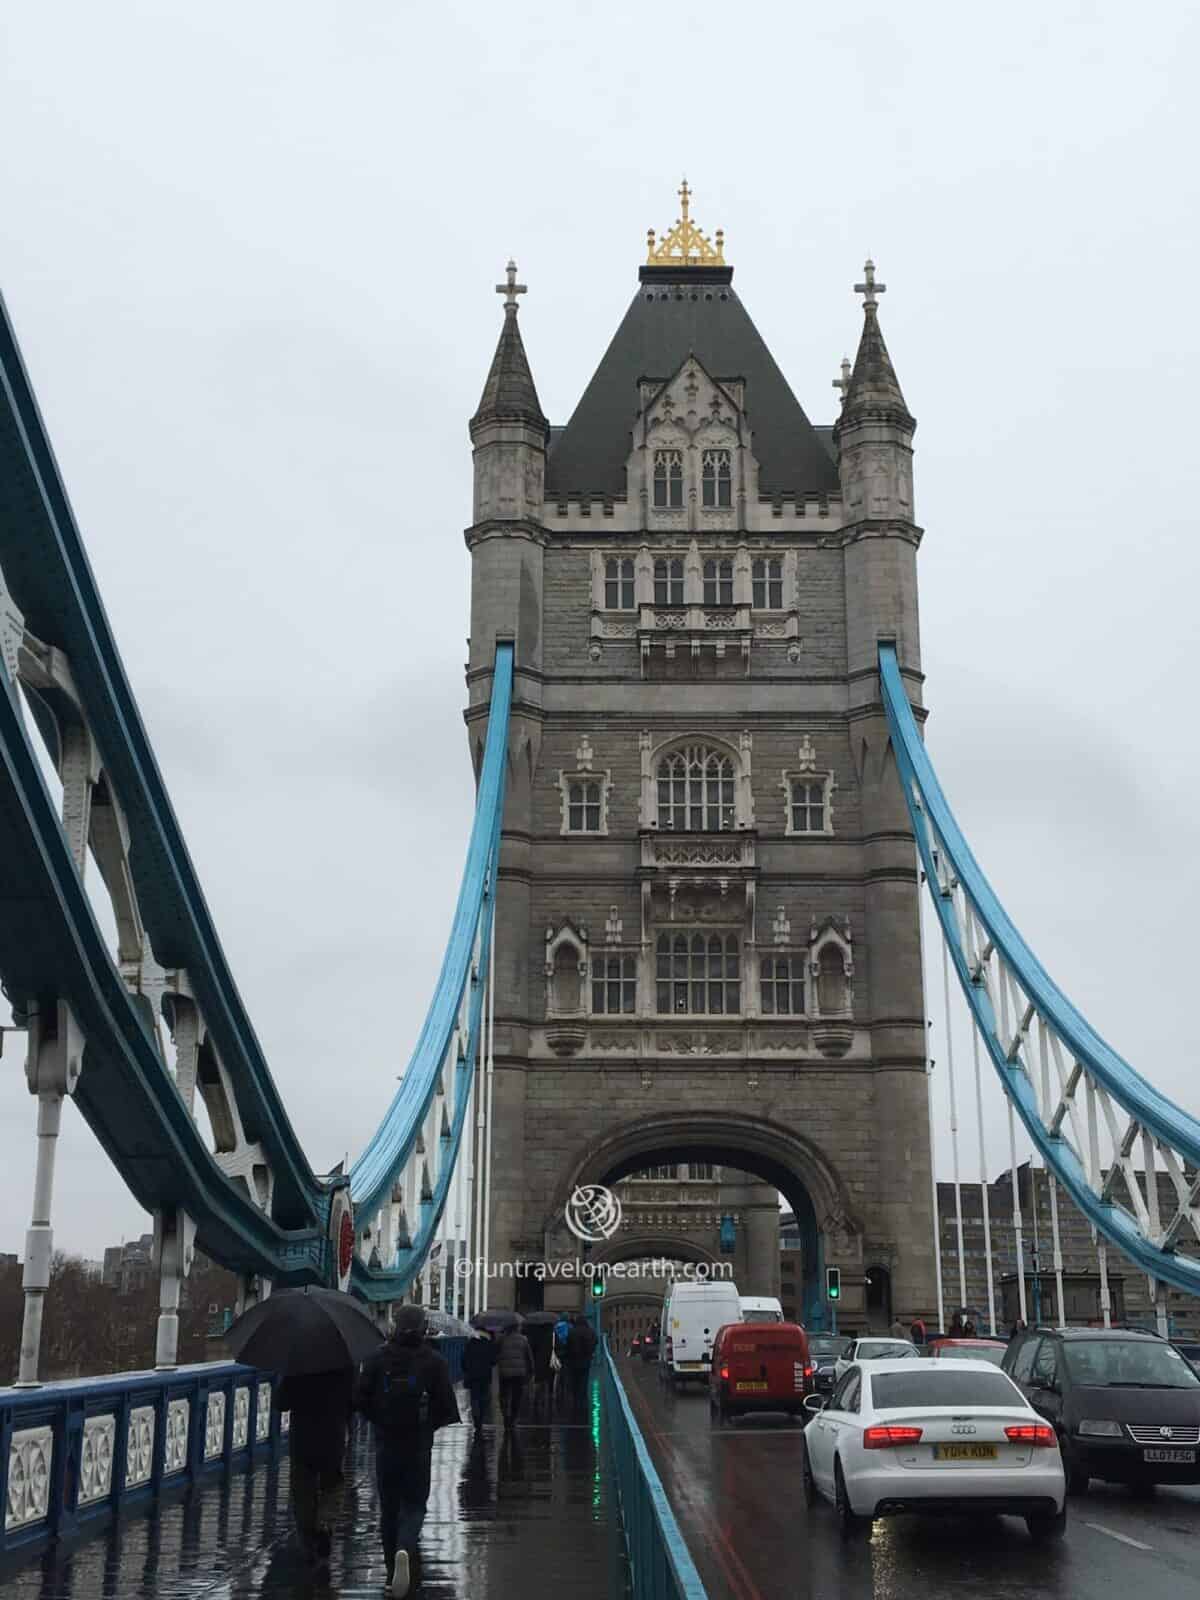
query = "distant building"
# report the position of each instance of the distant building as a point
(1130, 1299)
(127, 1267)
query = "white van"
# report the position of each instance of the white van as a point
(761, 1308)
(691, 1316)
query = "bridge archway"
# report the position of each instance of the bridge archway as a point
(781, 1156)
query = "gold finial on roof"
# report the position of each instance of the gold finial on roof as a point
(684, 245)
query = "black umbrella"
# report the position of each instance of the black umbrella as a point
(499, 1321)
(296, 1331)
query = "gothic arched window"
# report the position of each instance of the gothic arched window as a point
(698, 974)
(566, 995)
(696, 790)
(716, 478)
(668, 478)
(767, 583)
(668, 582)
(718, 583)
(618, 585)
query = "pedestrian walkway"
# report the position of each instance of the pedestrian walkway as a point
(529, 1512)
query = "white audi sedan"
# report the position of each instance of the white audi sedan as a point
(875, 1349)
(932, 1436)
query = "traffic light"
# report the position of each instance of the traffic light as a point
(597, 1288)
(833, 1283)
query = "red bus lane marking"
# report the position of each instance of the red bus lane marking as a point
(742, 1584)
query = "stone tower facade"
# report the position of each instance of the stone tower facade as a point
(708, 940)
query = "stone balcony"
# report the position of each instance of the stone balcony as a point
(671, 631)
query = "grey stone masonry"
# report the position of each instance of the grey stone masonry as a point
(708, 943)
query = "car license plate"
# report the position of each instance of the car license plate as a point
(744, 1387)
(1179, 1457)
(965, 1452)
(689, 1366)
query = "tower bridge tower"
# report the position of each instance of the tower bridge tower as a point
(708, 940)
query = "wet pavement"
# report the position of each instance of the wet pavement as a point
(736, 1493)
(527, 1513)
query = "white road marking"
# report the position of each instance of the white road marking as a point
(1123, 1537)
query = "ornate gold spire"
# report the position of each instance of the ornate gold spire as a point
(685, 245)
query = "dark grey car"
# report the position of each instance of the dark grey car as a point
(1125, 1405)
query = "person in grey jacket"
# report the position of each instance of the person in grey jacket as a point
(514, 1363)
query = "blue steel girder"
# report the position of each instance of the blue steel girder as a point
(419, 1141)
(1090, 1115)
(49, 577)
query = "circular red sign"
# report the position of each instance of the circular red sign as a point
(345, 1244)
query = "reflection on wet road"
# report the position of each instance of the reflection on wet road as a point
(736, 1493)
(530, 1513)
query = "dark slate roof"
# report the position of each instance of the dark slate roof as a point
(874, 385)
(509, 391)
(672, 316)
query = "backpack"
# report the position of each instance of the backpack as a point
(402, 1394)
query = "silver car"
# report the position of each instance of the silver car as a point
(932, 1436)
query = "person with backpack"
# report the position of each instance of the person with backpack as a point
(478, 1364)
(404, 1389)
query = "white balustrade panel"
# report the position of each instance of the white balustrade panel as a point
(241, 1418)
(96, 1459)
(139, 1446)
(262, 1419)
(29, 1456)
(175, 1452)
(214, 1427)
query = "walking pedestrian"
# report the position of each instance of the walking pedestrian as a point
(916, 1330)
(320, 1404)
(514, 1362)
(406, 1392)
(956, 1326)
(478, 1364)
(970, 1331)
(581, 1345)
(897, 1329)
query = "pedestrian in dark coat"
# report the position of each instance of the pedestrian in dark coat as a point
(320, 1404)
(406, 1392)
(581, 1346)
(515, 1366)
(478, 1364)
(916, 1331)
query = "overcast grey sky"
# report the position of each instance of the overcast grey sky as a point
(250, 253)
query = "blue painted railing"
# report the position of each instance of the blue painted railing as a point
(661, 1567)
(74, 1454)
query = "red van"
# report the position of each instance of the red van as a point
(759, 1366)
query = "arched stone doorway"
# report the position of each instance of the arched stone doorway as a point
(879, 1299)
(775, 1155)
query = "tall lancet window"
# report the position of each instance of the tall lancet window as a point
(668, 478)
(668, 583)
(718, 583)
(716, 478)
(618, 585)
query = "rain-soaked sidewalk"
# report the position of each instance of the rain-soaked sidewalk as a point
(529, 1512)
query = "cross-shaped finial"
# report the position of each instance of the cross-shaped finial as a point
(511, 289)
(685, 194)
(843, 383)
(870, 290)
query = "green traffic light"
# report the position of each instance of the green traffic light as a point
(597, 1289)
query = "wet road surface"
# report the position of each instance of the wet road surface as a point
(736, 1493)
(531, 1513)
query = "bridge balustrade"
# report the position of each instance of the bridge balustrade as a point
(75, 1453)
(660, 1566)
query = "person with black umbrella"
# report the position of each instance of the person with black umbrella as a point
(312, 1339)
(405, 1391)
